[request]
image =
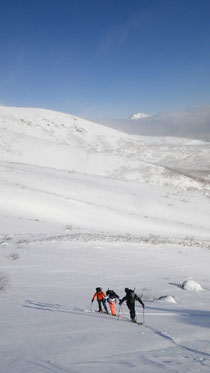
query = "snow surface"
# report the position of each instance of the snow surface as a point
(81, 206)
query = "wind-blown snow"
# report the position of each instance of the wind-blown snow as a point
(81, 206)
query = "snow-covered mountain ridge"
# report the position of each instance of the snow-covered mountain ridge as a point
(34, 136)
(139, 116)
(53, 160)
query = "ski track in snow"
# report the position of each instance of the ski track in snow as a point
(176, 341)
(84, 312)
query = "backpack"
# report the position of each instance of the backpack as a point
(132, 295)
(111, 293)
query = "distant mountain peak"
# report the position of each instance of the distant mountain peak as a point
(139, 116)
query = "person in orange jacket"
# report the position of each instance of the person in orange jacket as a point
(101, 299)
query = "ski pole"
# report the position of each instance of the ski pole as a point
(119, 312)
(143, 315)
(91, 304)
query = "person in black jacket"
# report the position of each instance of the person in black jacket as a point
(130, 298)
(111, 299)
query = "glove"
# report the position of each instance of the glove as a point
(92, 300)
(143, 306)
(120, 302)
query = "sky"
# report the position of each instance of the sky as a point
(107, 58)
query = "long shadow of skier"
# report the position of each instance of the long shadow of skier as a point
(75, 311)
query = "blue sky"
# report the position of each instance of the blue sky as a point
(105, 58)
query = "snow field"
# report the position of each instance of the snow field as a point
(101, 204)
(52, 283)
(81, 206)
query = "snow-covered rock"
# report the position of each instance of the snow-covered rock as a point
(191, 285)
(167, 298)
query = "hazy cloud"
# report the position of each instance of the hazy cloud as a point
(193, 123)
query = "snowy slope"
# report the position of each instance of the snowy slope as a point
(63, 146)
(99, 204)
(58, 140)
(82, 205)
